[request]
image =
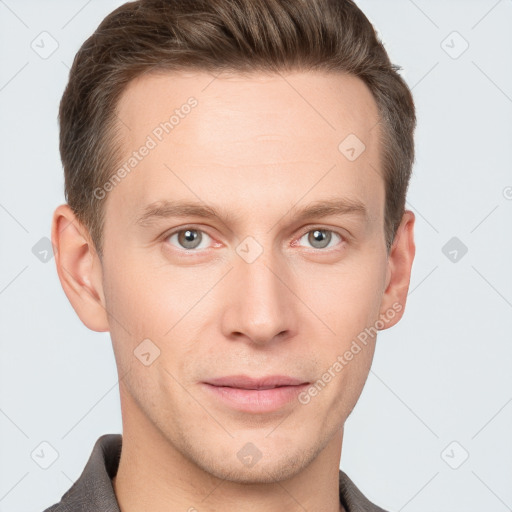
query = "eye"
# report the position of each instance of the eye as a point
(321, 238)
(189, 238)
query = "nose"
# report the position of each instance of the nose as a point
(261, 307)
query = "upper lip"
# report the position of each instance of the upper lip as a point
(246, 382)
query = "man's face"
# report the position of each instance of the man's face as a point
(260, 291)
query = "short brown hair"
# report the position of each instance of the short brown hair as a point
(223, 35)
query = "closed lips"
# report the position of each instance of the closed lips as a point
(246, 382)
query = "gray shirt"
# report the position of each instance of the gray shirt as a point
(93, 491)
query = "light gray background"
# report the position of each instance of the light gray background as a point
(442, 375)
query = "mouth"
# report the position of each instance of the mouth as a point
(255, 395)
(246, 382)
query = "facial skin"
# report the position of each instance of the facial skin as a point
(258, 148)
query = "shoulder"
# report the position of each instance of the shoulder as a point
(93, 491)
(352, 498)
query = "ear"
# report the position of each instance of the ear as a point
(398, 276)
(79, 268)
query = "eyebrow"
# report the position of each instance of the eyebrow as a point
(164, 209)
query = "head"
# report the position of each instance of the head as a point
(287, 126)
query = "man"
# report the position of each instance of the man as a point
(236, 174)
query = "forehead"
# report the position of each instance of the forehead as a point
(253, 131)
(328, 103)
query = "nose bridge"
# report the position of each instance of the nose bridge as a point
(261, 306)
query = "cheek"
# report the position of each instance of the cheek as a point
(150, 299)
(347, 300)
(148, 310)
(161, 303)
(135, 304)
(346, 297)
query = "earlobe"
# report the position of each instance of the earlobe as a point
(399, 268)
(79, 268)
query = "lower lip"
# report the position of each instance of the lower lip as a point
(255, 400)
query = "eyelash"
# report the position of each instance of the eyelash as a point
(319, 228)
